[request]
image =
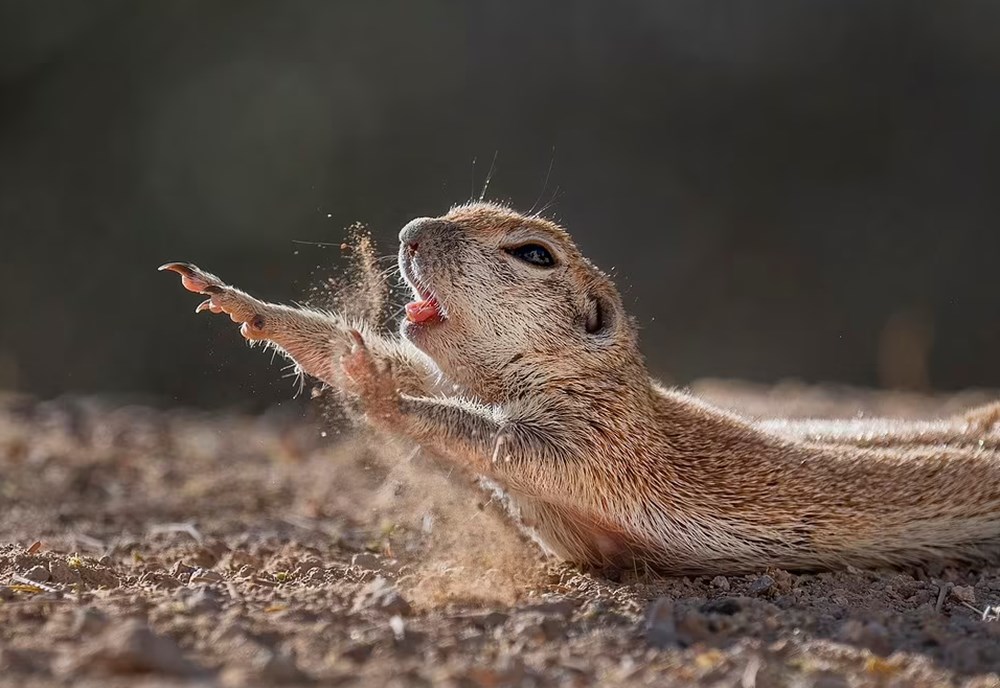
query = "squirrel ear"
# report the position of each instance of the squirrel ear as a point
(596, 315)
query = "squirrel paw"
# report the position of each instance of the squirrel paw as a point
(222, 298)
(370, 380)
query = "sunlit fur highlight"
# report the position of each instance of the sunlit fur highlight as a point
(607, 468)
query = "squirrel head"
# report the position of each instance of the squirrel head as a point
(500, 296)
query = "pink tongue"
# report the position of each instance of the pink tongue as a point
(422, 311)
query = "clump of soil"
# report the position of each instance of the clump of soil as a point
(192, 547)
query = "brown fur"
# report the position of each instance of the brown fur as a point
(602, 464)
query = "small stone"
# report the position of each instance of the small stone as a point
(314, 574)
(660, 628)
(381, 595)
(63, 573)
(205, 576)
(762, 585)
(783, 580)
(99, 577)
(964, 593)
(720, 582)
(38, 574)
(180, 569)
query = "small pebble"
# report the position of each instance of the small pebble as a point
(63, 573)
(720, 582)
(38, 574)
(181, 569)
(205, 576)
(964, 593)
(762, 585)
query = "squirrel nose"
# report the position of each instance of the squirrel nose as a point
(416, 231)
(411, 234)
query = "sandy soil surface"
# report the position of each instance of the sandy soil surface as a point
(145, 547)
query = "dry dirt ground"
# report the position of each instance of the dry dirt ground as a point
(173, 547)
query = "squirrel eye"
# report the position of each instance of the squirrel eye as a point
(534, 254)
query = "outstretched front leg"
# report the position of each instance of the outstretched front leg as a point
(314, 340)
(486, 439)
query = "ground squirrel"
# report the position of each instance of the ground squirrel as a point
(518, 361)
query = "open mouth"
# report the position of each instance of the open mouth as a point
(425, 309)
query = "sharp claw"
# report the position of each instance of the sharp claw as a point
(194, 278)
(179, 268)
(204, 306)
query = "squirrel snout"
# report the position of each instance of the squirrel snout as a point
(414, 230)
(417, 231)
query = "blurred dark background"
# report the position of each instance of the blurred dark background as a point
(783, 189)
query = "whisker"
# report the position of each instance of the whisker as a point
(317, 243)
(545, 184)
(550, 202)
(489, 175)
(472, 195)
